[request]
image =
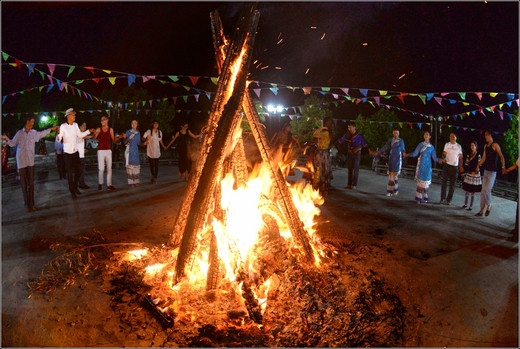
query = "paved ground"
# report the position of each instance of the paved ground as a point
(456, 272)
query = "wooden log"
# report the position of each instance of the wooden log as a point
(209, 130)
(212, 167)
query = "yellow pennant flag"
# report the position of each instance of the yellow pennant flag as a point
(107, 71)
(465, 103)
(13, 64)
(500, 106)
(413, 94)
(112, 80)
(383, 93)
(493, 94)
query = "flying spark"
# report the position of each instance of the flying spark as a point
(401, 76)
(278, 67)
(365, 44)
(313, 27)
(322, 36)
(264, 67)
(279, 35)
(279, 41)
(307, 71)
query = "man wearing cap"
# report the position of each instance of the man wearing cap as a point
(69, 132)
(24, 140)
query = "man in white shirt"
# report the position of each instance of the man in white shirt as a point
(452, 155)
(69, 133)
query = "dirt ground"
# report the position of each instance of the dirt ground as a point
(455, 274)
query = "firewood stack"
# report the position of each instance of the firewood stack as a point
(222, 152)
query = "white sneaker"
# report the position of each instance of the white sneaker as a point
(388, 194)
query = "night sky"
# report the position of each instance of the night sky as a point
(458, 46)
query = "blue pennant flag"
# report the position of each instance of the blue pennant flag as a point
(131, 79)
(50, 88)
(452, 101)
(274, 90)
(363, 91)
(419, 124)
(429, 96)
(3, 99)
(30, 66)
(510, 95)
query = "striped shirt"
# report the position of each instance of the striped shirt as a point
(25, 142)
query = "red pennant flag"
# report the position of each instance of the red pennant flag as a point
(91, 69)
(410, 124)
(194, 79)
(307, 90)
(401, 95)
(174, 84)
(174, 100)
(479, 95)
(493, 107)
(18, 64)
(96, 80)
(358, 101)
(72, 89)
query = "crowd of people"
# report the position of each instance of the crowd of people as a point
(69, 147)
(479, 172)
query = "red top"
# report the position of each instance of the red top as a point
(104, 140)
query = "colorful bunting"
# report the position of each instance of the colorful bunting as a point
(71, 69)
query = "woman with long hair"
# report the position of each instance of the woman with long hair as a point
(183, 145)
(472, 181)
(322, 168)
(152, 138)
(132, 164)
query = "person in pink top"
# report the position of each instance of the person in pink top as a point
(104, 135)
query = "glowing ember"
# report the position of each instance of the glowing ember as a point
(136, 254)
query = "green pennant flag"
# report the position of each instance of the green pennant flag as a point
(400, 124)
(185, 98)
(22, 92)
(41, 73)
(187, 88)
(79, 82)
(71, 69)
(174, 78)
(386, 97)
(462, 95)
(326, 89)
(5, 55)
(335, 103)
(423, 98)
(493, 94)
(489, 109)
(214, 80)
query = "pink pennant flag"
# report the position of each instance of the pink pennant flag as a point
(194, 79)
(345, 90)
(377, 99)
(90, 69)
(517, 103)
(150, 102)
(439, 100)
(501, 113)
(307, 90)
(61, 85)
(444, 93)
(51, 68)
(479, 95)
(50, 78)
(145, 78)
(335, 96)
(257, 92)
(196, 97)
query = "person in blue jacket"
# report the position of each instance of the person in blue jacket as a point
(423, 172)
(395, 160)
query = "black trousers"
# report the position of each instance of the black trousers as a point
(73, 166)
(27, 182)
(154, 166)
(353, 161)
(81, 176)
(450, 173)
(60, 162)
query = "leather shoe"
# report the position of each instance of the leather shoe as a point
(99, 187)
(84, 187)
(111, 188)
(34, 208)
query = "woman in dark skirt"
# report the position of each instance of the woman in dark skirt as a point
(472, 181)
(183, 144)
